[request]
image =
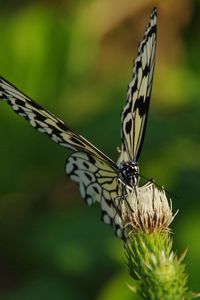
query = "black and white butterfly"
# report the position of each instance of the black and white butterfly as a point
(99, 178)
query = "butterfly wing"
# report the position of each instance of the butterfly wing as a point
(46, 122)
(95, 173)
(135, 112)
(98, 182)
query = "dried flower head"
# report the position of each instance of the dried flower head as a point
(146, 209)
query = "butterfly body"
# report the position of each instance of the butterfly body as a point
(129, 173)
(100, 179)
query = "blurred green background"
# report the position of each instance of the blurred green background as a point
(75, 58)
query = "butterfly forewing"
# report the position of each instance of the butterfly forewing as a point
(46, 122)
(135, 112)
(98, 182)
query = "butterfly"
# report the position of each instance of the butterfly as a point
(100, 179)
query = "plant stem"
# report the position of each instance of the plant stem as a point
(158, 273)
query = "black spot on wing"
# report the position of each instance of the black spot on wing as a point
(96, 189)
(19, 102)
(61, 125)
(142, 105)
(138, 65)
(146, 71)
(89, 176)
(128, 126)
(86, 165)
(91, 159)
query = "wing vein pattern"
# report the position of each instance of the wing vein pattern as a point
(96, 174)
(135, 112)
(45, 122)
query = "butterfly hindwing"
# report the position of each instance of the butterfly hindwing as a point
(98, 182)
(135, 113)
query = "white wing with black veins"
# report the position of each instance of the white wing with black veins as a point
(135, 112)
(98, 182)
(96, 174)
(45, 122)
(93, 170)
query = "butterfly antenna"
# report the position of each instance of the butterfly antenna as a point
(161, 187)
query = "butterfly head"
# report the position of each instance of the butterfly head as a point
(129, 172)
